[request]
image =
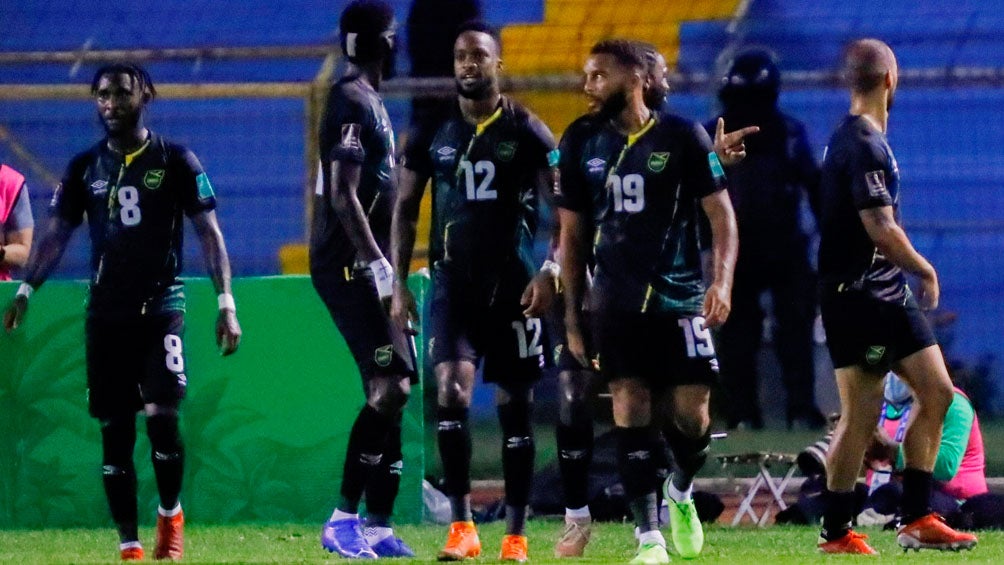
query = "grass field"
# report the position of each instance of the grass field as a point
(612, 543)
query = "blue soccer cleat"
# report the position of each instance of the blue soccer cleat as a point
(392, 546)
(345, 537)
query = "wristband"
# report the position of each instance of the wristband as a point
(226, 302)
(553, 267)
(383, 277)
(24, 290)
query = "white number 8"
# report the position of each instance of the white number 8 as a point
(175, 360)
(129, 200)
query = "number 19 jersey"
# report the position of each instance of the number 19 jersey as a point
(642, 193)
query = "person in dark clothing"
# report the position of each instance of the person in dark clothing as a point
(767, 193)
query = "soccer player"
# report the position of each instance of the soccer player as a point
(348, 241)
(630, 180)
(488, 158)
(872, 319)
(134, 186)
(16, 222)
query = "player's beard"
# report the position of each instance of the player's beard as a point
(889, 100)
(126, 123)
(655, 96)
(614, 104)
(478, 91)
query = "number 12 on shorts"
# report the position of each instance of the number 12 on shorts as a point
(697, 336)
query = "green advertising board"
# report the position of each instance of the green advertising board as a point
(265, 430)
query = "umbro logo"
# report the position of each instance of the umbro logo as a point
(516, 442)
(99, 184)
(596, 163)
(573, 454)
(640, 455)
(450, 425)
(370, 459)
(446, 151)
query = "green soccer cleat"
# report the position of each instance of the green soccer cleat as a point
(650, 554)
(687, 532)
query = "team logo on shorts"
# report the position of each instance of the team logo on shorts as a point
(657, 161)
(383, 355)
(506, 151)
(557, 352)
(596, 165)
(153, 178)
(875, 354)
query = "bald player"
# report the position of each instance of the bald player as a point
(873, 321)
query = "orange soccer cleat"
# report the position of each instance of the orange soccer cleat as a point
(462, 542)
(852, 542)
(131, 551)
(931, 532)
(170, 536)
(514, 548)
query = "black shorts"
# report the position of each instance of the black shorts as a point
(133, 360)
(664, 349)
(378, 346)
(862, 330)
(467, 325)
(558, 338)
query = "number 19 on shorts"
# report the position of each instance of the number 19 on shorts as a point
(697, 336)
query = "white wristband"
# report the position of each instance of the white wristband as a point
(383, 277)
(25, 290)
(553, 267)
(226, 302)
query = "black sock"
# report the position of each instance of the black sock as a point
(916, 494)
(689, 455)
(575, 454)
(168, 456)
(363, 456)
(518, 452)
(455, 453)
(838, 514)
(118, 438)
(634, 458)
(662, 462)
(383, 486)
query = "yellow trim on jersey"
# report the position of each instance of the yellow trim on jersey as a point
(631, 139)
(478, 130)
(491, 119)
(128, 158)
(648, 294)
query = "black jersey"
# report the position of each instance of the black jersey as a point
(859, 172)
(355, 129)
(642, 192)
(485, 201)
(134, 206)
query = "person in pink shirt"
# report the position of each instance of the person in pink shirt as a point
(16, 222)
(959, 470)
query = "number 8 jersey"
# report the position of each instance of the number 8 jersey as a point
(134, 204)
(641, 192)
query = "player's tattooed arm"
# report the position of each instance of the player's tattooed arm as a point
(44, 258)
(403, 228)
(214, 250)
(725, 249)
(572, 252)
(542, 289)
(891, 241)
